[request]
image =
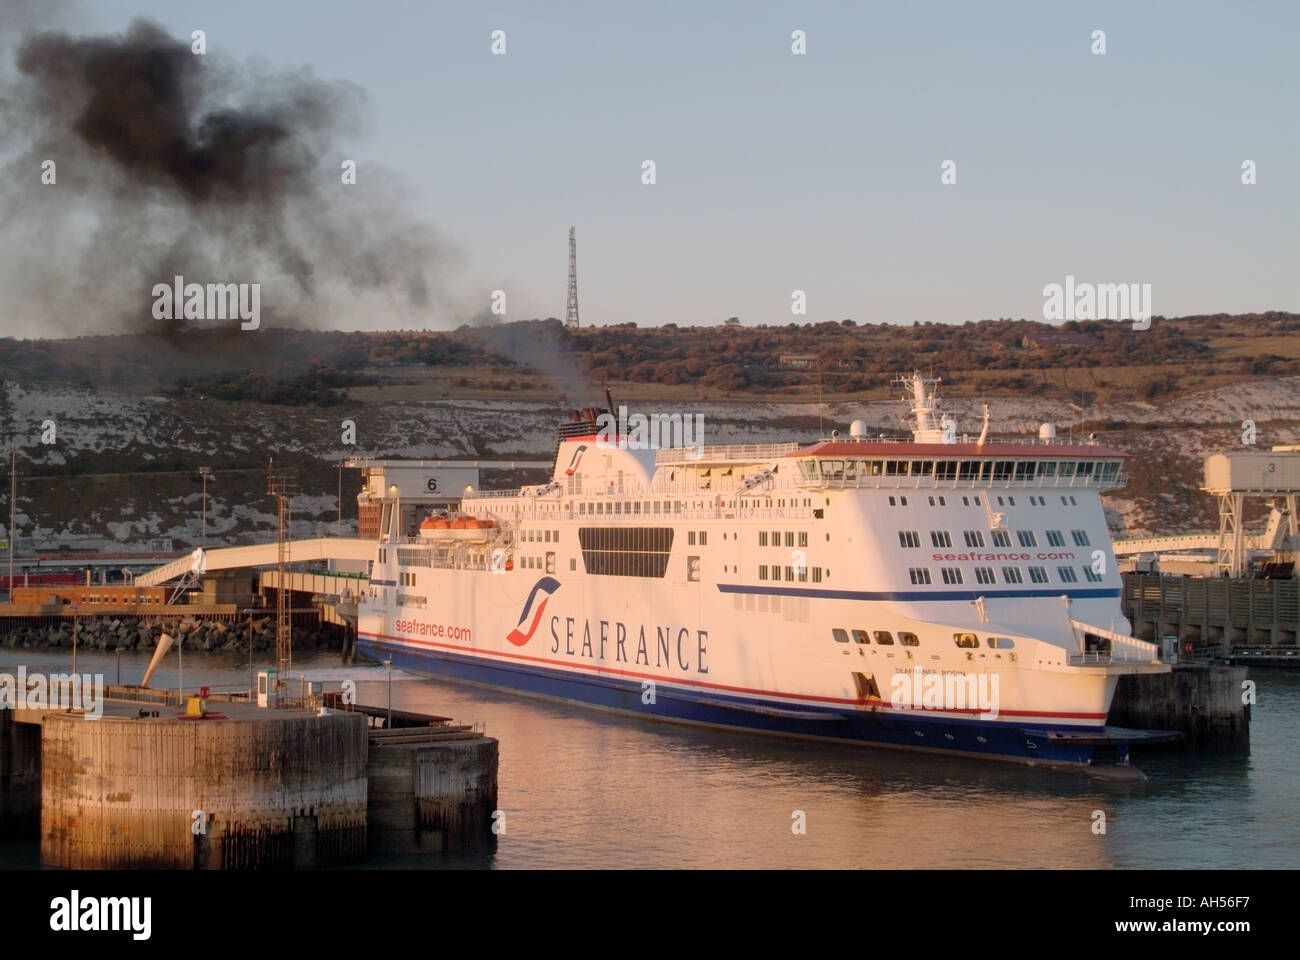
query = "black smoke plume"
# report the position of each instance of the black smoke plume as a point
(170, 162)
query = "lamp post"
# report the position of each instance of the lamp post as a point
(389, 665)
(249, 611)
(75, 616)
(13, 487)
(204, 473)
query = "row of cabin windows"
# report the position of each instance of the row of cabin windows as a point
(966, 641)
(882, 637)
(1066, 501)
(1001, 538)
(632, 507)
(975, 470)
(791, 573)
(921, 576)
(969, 641)
(1034, 501)
(116, 598)
(535, 563)
(541, 536)
(776, 535)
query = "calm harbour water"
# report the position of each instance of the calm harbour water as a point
(585, 789)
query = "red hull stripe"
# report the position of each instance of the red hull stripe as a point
(704, 685)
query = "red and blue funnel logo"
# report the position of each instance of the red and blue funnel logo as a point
(575, 459)
(546, 586)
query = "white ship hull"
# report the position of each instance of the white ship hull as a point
(747, 589)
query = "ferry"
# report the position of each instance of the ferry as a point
(934, 592)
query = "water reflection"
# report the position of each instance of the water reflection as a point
(584, 789)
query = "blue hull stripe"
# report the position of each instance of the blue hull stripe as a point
(997, 739)
(913, 595)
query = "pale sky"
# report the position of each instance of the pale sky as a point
(818, 172)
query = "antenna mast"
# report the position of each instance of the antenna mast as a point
(571, 307)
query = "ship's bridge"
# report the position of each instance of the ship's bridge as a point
(902, 464)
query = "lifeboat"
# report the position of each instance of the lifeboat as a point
(434, 525)
(459, 526)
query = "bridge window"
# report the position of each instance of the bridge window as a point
(1025, 470)
(1003, 469)
(1047, 468)
(833, 469)
(1110, 470)
(945, 470)
(969, 469)
(1084, 469)
(1066, 470)
(895, 468)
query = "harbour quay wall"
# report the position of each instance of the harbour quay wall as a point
(431, 798)
(20, 777)
(174, 793)
(1205, 701)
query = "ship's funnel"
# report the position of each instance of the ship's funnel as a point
(164, 644)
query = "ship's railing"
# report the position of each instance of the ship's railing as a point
(1122, 648)
(884, 482)
(749, 452)
(991, 441)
